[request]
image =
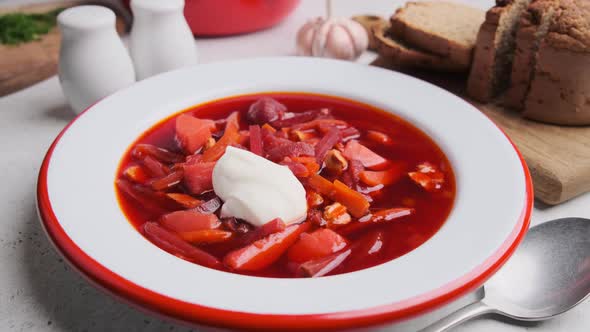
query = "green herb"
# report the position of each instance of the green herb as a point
(17, 28)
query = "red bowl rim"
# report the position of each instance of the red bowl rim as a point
(191, 313)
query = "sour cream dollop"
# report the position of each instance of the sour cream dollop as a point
(257, 190)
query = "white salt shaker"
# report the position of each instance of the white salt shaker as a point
(161, 39)
(93, 62)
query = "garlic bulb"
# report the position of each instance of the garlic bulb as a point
(339, 38)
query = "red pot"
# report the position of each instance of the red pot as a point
(228, 17)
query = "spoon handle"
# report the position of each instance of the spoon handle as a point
(464, 314)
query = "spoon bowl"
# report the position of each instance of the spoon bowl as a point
(548, 275)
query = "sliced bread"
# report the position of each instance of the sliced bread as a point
(494, 50)
(533, 28)
(369, 22)
(402, 54)
(444, 28)
(560, 86)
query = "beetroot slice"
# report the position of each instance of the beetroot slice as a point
(290, 150)
(154, 167)
(296, 119)
(175, 245)
(352, 176)
(270, 141)
(326, 143)
(256, 140)
(155, 202)
(349, 133)
(160, 154)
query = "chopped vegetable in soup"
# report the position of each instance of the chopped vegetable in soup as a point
(286, 185)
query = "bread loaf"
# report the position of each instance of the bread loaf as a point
(560, 85)
(494, 50)
(533, 28)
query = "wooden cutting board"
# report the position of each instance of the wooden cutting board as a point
(26, 64)
(558, 156)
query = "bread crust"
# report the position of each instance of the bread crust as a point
(407, 56)
(531, 31)
(571, 29)
(479, 84)
(560, 89)
(414, 33)
(486, 78)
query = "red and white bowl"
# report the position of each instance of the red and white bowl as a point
(80, 212)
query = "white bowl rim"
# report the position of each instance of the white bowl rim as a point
(171, 306)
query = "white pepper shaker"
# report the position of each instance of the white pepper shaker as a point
(93, 62)
(161, 39)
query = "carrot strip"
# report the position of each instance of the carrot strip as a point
(268, 127)
(230, 136)
(136, 174)
(168, 181)
(379, 137)
(309, 162)
(206, 236)
(321, 185)
(354, 201)
(386, 178)
(265, 251)
(189, 221)
(185, 200)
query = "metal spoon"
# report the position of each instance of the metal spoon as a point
(548, 275)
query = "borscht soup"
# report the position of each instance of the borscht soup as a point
(285, 185)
